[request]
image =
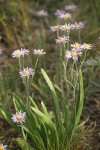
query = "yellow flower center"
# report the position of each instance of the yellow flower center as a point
(77, 26)
(38, 52)
(17, 53)
(76, 46)
(19, 117)
(65, 16)
(74, 54)
(86, 46)
(67, 27)
(26, 72)
(1, 147)
(56, 27)
(62, 39)
(42, 13)
(69, 7)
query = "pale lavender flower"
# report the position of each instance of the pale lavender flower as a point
(70, 7)
(76, 46)
(55, 28)
(72, 54)
(0, 51)
(3, 147)
(66, 27)
(26, 72)
(42, 13)
(86, 46)
(24, 51)
(62, 39)
(19, 117)
(18, 53)
(38, 52)
(78, 26)
(59, 12)
(64, 16)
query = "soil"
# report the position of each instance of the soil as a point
(92, 110)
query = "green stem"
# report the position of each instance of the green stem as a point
(23, 62)
(36, 63)
(19, 64)
(26, 83)
(64, 52)
(68, 42)
(24, 136)
(83, 59)
(79, 36)
(27, 92)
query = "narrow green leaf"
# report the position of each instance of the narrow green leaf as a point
(44, 118)
(36, 137)
(67, 117)
(44, 134)
(31, 121)
(78, 108)
(23, 144)
(55, 99)
(53, 137)
(44, 110)
(33, 103)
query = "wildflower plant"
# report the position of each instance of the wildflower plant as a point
(59, 12)
(55, 28)
(19, 117)
(78, 26)
(27, 77)
(38, 52)
(3, 147)
(20, 53)
(40, 131)
(71, 8)
(26, 72)
(73, 54)
(62, 39)
(64, 16)
(66, 27)
(42, 13)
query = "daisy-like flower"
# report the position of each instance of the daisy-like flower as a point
(64, 16)
(3, 147)
(26, 72)
(86, 46)
(0, 51)
(59, 12)
(66, 27)
(19, 117)
(55, 28)
(76, 46)
(24, 51)
(42, 13)
(18, 53)
(38, 52)
(72, 54)
(78, 26)
(70, 7)
(62, 39)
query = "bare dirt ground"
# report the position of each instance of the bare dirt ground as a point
(92, 110)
